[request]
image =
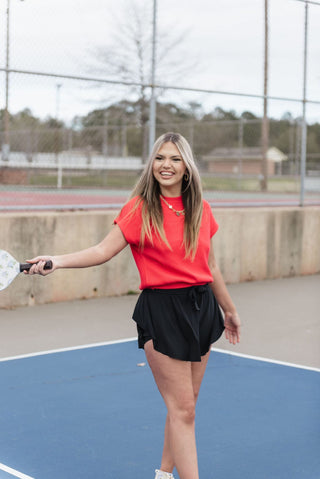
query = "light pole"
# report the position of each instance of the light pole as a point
(6, 143)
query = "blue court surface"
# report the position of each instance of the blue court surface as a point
(95, 413)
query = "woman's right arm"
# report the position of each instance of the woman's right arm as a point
(111, 245)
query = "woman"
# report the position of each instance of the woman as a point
(169, 228)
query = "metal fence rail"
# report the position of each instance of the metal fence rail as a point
(57, 156)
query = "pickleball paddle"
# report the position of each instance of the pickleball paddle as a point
(10, 268)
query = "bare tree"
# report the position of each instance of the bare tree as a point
(127, 57)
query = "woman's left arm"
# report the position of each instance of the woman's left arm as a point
(231, 319)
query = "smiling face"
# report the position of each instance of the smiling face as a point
(168, 169)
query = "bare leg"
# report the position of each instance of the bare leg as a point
(179, 384)
(198, 370)
(167, 462)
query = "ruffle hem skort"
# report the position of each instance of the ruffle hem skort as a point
(183, 323)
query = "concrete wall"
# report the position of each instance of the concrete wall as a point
(252, 244)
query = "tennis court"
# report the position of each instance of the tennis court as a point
(72, 409)
(24, 199)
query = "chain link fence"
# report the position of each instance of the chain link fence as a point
(223, 149)
(88, 142)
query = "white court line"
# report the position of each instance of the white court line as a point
(72, 348)
(13, 472)
(266, 360)
(126, 340)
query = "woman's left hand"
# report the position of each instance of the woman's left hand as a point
(232, 326)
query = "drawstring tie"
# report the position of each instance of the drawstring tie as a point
(194, 293)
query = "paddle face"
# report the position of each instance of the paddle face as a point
(9, 268)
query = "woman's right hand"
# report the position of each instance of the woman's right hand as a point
(38, 264)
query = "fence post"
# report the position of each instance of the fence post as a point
(240, 145)
(6, 143)
(265, 120)
(153, 99)
(304, 101)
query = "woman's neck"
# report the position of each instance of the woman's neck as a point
(170, 193)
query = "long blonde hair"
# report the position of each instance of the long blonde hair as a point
(148, 190)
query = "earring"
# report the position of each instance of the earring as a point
(186, 176)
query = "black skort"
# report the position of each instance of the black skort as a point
(183, 323)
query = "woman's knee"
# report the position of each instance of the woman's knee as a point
(183, 411)
(196, 395)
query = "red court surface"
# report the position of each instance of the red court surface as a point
(35, 199)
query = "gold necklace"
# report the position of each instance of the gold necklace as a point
(178, 213)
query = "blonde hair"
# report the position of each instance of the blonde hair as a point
(148, 190)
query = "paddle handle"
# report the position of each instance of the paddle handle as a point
(27, 266)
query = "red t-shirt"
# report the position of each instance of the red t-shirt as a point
(160, 267)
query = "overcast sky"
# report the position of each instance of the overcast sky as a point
(225, 37)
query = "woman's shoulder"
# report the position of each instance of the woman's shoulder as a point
(207, 210)
(208, 217)
(132, 206)
(133, 203)
(206, 205)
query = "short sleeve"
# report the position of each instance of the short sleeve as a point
(129, 221)
(212, 221)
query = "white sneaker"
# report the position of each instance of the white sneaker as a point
(163, 475)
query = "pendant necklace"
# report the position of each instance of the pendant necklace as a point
(178, 213)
